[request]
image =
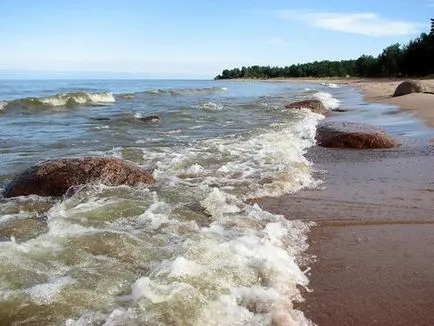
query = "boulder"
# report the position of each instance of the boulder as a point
(340, 110)
(315, 106)
(55, 177)
(409, 86)
(352, 135)
(150, 118)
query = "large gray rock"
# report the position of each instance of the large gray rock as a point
(313, 105)
(408, 87)
(352, 135)
(55, 177)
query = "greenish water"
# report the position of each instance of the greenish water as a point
(188, 250)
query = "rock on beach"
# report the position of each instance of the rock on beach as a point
(352, 135)
(315, 106)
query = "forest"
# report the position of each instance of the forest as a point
(413, 59)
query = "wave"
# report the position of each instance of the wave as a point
(330, 85)
(74, 99)
(60, 100)
(199, 247)
(264, 163)
(174, 92)
(328, 100)
(190, 250)
(2, 105)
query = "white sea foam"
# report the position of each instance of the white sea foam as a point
(45, 293)
(2, 105)
(172, 132)
(330, 85)
(210, 107)
(239, 268)
(196, 127)
(328, 100)
(7, 218)
(266, 164)
(235, 264)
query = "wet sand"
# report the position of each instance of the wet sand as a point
(373, 246)
(374, 239)
(380, 274)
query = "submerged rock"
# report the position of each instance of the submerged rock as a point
(315, 106)
(150, 118)
(352, 135)
(408, 87)
(55, 177)
(340, 110)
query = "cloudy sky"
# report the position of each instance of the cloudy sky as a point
(195, 38)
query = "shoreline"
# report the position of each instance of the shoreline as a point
(373, 248)
(378, 90)
(421, 104)
(381, 90)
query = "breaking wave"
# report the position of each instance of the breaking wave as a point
(328, 100)
(60, 100)
(191, 249)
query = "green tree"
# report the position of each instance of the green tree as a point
(391, 60)
(367, 66)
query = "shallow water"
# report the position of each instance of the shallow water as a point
(188, 250)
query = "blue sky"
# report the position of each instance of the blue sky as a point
(195, 39)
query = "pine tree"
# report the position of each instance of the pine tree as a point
(432, 26)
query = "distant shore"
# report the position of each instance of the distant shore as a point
(373, 240)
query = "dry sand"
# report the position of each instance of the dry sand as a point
(374, 239)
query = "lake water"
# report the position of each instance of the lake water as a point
(188, 250)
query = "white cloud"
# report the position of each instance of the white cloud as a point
(364, 23)
(277, 41)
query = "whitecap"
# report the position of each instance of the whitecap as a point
(330, 85)
(328, 100)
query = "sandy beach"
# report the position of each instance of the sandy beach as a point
(373, 247)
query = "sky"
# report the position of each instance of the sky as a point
(195, 38)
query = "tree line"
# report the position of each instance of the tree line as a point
(413, 59)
